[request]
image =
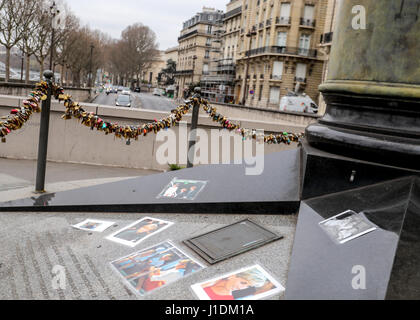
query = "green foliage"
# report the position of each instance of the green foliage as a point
(175, 167)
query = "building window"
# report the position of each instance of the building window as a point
(282, 39)
(275, 95)
(285, 11)
(304, 44)
(308, 15)
(277, 70)
(301, 72)
(205, 69)
(260, 41)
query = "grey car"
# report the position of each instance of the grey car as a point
(123, 101)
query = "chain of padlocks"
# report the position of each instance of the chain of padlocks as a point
(19, 116)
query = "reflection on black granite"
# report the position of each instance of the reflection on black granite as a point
(229, 190)
(381, 203)
(405, 278)
(43, 200)
(321, 269)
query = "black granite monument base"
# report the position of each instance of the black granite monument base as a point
(388, 257)
(228, 190)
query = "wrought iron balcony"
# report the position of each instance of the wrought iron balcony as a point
(232, 13)
(311, 53)
(308, 22)
(187, 35)
(184, 72)
(299, 79)
(283, 20)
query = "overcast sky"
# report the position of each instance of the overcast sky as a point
(164, 17)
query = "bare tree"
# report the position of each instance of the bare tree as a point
(42, 37)
(139, 43)
(15, 19)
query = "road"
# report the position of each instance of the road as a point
(145, 101)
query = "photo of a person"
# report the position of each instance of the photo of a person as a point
(347, 226)
(140, 230)
(183, 189)
(93, 225)
(171, 192)
(155, 267)
(247, 284)
(90, 226)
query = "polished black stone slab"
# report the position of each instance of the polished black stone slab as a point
(322, 269)
(326, 173)
(228, 190)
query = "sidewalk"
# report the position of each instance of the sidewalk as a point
(34, 243)
(17, 177)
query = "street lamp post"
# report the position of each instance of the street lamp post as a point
(194, 124)
(21, 67)
(43, 136)
(45, 114)
(194, 58)
(250, 34)
(54, 12)
(90, 66)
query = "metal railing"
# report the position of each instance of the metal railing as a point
(283, 20)
(182, 72)
(311, 53)
(187, 35)
(232, 13)
(308, 22)
(298, 79)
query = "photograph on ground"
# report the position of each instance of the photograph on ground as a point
(251, 283)
(93, 225)
(155, 267)
(138, 231)
(183, 189)
(347, 226)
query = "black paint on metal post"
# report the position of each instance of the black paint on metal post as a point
(194, 124)
(43, 136)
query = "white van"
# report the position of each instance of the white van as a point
(299, 103)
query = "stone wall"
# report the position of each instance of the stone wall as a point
(22, 90)
(69, 141)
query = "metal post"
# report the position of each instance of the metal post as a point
(245, 91)
(90, 71)
(21, 68)
(52, 50)
(43, 136)
(194, 123)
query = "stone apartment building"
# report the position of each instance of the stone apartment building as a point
(159, 62)
(219, 84)
(278, 45)
(278, 50)
(151, 73)
(326, 42)
(195, 50)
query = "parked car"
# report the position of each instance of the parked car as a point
(126, 91)
(298, 103)
(120, 89)
(123, 100)
(157, 92)
(137, 89)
